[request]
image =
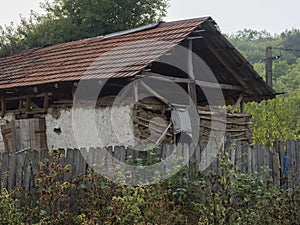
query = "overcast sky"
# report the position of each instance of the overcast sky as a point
(231, 15)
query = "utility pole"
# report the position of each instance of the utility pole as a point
(269, 60)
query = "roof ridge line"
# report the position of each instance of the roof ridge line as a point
(129, 31)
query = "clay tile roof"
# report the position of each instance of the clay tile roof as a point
(122, 54)
(127, 53)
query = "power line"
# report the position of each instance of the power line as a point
(287, 49)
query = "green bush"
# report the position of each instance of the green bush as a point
(9, 214)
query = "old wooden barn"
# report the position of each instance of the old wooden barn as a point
(113, 73)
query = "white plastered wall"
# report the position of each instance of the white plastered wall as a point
(106, 134)
(60, 133)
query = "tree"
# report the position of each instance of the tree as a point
(276, 119)
(292, 40)
(253, 44)
(69, 20)
(290, 82)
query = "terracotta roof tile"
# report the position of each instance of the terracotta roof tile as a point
(120, 56)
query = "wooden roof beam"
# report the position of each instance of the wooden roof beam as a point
(227, 66)
(24, 97)
(198, 82)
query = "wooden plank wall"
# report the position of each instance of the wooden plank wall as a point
(282, 162)
(24, 134)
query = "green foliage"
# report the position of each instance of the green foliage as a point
(89, 18)
(253, 44)
(9, 214)
(290, 81)
(276, 119)
(66, 20)
(189, 197)
(292, 40)
(142, 205)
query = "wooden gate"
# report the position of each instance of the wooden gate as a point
(24, 134)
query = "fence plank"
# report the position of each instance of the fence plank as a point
(298, 162)
(266, 158)
(44, 154)
(186, 153)
(232, 154)
(24, 165)
(238, 156)
(290, 145)
(255, 159)
(90, 158)
(120, 153)
(249, 159)
(276, 168)
(76, 155)
(281, 156)
(27, 171)
(70, 160)
(107, 155)
(12, 171)
(4, 169)
(260, 157)
(192, 153)
(34, 162)
(82, 161)
(20, 169)
(198, 154)
(244, 159)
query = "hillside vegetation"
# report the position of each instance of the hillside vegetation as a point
(277, 119)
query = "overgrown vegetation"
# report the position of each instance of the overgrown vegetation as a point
(277, 119)
(190, 197)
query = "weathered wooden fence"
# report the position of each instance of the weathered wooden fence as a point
(283, 161)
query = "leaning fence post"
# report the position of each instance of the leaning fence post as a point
(276, 168)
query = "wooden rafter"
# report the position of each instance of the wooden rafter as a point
(24, 97)
(31, 107)
(226, 65)
(28, 103)
(46, 102)
(198, 82)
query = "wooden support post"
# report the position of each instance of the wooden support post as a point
(46, 102)
(20, 105)
(192, 85)
(238, 102)
(242, 106)
(74, 87)
(136, 90)
(135, 98)
(28, 104)
(192, 91)
(3, 106)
